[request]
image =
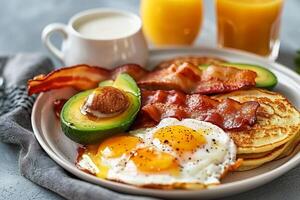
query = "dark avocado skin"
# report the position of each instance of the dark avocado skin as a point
(269, 82)
(84, 130)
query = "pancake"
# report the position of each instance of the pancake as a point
(288, 149)
(248, 164)
(278, 121)
(255, 155)
(277, 153)
(291, 148)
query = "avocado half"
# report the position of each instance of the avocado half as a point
(86, 130)
(265, 78)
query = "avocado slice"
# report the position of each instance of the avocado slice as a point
(265, 78)
(106, 83)
(85, 129)
(125, 82)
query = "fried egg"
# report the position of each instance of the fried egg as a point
(171, 154)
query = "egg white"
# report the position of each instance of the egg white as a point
(204, 166)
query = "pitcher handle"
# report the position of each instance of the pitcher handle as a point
(46, 35)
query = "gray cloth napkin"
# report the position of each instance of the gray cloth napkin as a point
(15, 128)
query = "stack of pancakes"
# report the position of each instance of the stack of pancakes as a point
(275, 134)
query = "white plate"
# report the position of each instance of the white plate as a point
(48, 132)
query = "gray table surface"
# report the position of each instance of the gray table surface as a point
(21, 23)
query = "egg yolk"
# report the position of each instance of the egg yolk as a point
(116, 146)
(91, 152)
(180, 138)
(149, 160)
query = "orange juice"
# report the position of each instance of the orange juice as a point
(251, 25)
(171, 22)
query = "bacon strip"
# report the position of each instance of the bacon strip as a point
(80, 77)
(228, 114)
(190, 79)
(195, 60)
(185, 77)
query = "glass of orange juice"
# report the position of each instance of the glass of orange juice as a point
(250, 25)
(171, 22)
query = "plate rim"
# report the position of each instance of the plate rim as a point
(227, 188)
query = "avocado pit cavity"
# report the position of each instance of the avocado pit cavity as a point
(105, 102)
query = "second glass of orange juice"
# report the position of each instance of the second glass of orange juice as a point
(171, 22)
(250, 25)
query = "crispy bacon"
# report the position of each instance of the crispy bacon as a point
(185, 77)
(195, 60)
(134, 70)
(227, 114)
(80, 77)
(190, 79)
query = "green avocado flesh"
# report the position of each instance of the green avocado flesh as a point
(265, 78)
(124, 82)
(85, 129)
